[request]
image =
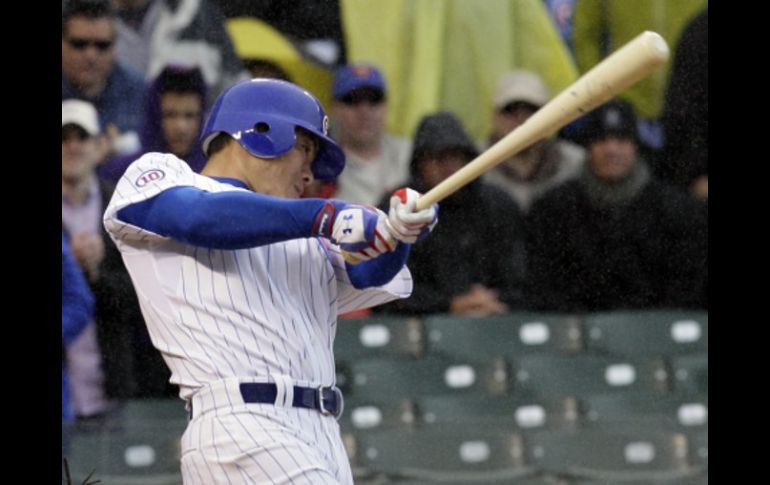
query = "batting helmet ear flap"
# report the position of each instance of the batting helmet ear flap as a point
(268, 138)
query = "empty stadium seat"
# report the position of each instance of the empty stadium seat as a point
(649, 332)
(691, 373)
(395, 379)
(613, 456)
(508, 335)
(443, 454)
(506, 411)
(378, 336)
(543, 376)
(141, 446)
(367, 414)
(673, 412)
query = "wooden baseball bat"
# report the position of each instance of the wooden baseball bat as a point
(624, 67)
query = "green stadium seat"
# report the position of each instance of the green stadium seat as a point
(699, 447)
(691, 373)
(543, 376)
(646, 333)
(505, 411)
(367, 414)
(673, 412)
(457, 454)
(140, 446)
(508, 335)
(378, 336)
(613, 456)
(395, 379)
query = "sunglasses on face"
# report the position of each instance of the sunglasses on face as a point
(517, 107)
(83, 44)
(357, 97)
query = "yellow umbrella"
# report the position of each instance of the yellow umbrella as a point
(256, 40)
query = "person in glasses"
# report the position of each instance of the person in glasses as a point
(376, 160)
(548, 163)
(90, 72)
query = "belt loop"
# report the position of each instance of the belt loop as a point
(285, 390)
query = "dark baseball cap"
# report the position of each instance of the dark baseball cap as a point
(355, 76)
(441, 132)
(615, 118)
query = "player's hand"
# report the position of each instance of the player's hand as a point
(406, 224)
(360, 231)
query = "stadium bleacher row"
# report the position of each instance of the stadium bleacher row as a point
(527, 398)
(524, 398)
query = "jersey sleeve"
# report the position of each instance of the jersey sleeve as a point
(145, 178)
(350, 298)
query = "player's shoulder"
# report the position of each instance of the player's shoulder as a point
(163, 163)
(154, 168)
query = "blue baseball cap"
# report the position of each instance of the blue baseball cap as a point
(348, 78)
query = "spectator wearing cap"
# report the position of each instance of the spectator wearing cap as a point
(376, 160)
(530, 173)
(616, 238)
(100, 360)
(473, 264)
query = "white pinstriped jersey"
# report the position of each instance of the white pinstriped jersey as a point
(250, 313)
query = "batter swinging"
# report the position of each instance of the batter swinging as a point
(240, 282)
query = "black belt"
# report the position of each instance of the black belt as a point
(327, 400)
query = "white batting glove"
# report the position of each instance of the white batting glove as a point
(360, 231)
(404, 223)
(381, 243)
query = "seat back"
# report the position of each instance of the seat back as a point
(506, 336)
(141, 444)
(388, 379)
(458, 454)
(647, 332)
(542, 376)
(613, 456)
(691, 373)
(672, 412)
(378, 336)
(505, 411)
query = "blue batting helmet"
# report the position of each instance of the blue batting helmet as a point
(261, 115)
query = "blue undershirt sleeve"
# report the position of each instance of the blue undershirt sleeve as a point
(223, 220)
(380, 270)
(239, 220)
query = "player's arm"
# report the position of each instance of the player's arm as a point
(378, 271)
(241, 219)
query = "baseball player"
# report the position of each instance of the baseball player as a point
(240, 282)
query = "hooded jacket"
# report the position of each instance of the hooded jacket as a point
(152, 132)
(477, 240)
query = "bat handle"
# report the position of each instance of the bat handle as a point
(427, 200)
